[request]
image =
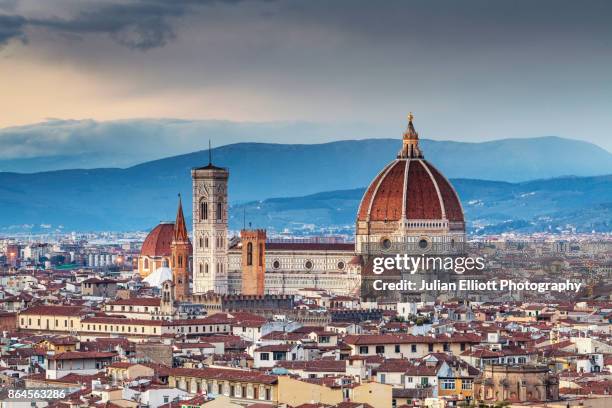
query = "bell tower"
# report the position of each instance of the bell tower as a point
(181, 252)
(210, 232)
(253, 261)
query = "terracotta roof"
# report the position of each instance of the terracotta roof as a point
(121, 320)
(315, 365)
(47, 310)
(367, 339)
(159, 240)
(98, 280)
(309, 246)
(79, 355)
(410, 187)
(275, 347)
(136, 302)
(224, 374)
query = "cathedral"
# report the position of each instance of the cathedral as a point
(409, 208)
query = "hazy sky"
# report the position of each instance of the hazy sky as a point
(469, 70)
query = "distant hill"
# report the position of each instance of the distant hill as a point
(138, 197)
(490, 207)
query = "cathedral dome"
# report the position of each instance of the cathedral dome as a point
(159, 240)
(157, 278)
(410, 188)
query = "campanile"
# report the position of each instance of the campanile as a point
(210, 232)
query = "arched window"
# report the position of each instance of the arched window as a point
(206, 268)
(200, 268)
(219, 207)
(180, 261)
(203, 210)
(201, 242)
(206, 242)
(249, 254)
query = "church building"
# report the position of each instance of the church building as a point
(409, 207)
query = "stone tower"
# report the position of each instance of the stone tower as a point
(167, 300)
(181, 252)
(253, 261)
(210, 241)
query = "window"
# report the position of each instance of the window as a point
(397, 348)
(423, 243)
(166, 399)
(264, 356)
(308, 264)
(462, 346)
(267, 394)
(385, 243)
(363, 350)
(276, 265)
(382, 378)
(249, 256)
(324, 339)
(261, 252)
(219, 207)
(448, 384)
(446, 347)
(203, 210)
(467, 384)
(279, 356)
(413, 348)
(430, 348)
(409, 379)
(380, 349)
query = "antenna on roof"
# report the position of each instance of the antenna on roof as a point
(209, 153)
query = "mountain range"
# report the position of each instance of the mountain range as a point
(138, 197)
(584, 203)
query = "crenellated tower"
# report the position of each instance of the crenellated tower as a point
(253, 261)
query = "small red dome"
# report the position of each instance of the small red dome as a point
(412, 189)
(159, 240)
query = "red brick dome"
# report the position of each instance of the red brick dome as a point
(159, 240)
(410, 188)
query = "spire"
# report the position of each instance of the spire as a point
(180, 230)
(209, 154)
(410, 142)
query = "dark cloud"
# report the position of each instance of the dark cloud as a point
(11, 27)
(473, 69)
(136, 24)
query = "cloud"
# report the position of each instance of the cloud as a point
(136, 24)
(57, 143)
(11, 27)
